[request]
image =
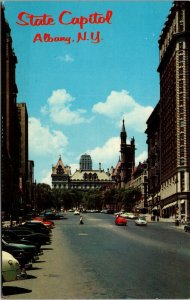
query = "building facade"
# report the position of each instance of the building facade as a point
(174, 71)
(153, 142)
(82, 179)
(23, 152)
(10, 132)
(60, 175)
(14, 131)
(139, 180)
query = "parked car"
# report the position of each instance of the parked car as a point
(187, 227)
(47, 223)
(120, 220)
(50, 216)
(18, 254)
(10, 267)
(76, 212)
(28, 252)
(128, 215)
(36, 227)
(141, 221)
(118, 213)
(10, 237)
(40, 238)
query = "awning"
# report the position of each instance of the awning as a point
(169, 205)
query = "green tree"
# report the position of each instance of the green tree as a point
(44, 199)
(130, 197)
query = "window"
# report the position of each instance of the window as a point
(181, 151)
(60, 170)
(180, 45)
(182, 180)
(181, 137)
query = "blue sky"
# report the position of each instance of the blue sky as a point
(77, 93)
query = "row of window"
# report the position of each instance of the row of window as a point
(178, 25)
(84, 187)
(174, 181)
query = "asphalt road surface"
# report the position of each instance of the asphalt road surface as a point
(99, 260)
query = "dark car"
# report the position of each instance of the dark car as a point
(11, 237)
(23, 253)
(187, 227)
(36, 227)
(21, 232)
(120, 220)
(52, 216)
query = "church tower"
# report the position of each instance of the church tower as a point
(127, 156)
(123, 147)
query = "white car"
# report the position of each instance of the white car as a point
(128, 215)
(76, 212)
(141, 221)
(10, 267)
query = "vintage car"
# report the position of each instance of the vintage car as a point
(120, 220)
(141, 221)
(10, 267)
(30, 235)
(47, 223)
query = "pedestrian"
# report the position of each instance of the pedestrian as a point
(81, 220)
(182, 220)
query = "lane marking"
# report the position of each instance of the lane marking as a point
(83, 234)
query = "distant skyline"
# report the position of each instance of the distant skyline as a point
(79, 89)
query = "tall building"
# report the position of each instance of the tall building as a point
(174, 70)
(85, 162)
(10, 133)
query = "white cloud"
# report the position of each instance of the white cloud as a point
(47, 178)
(122, 104)
(107, 154)
(43, 141)
(59, 109)
(74, 167)
(141, 157)
(66, 58)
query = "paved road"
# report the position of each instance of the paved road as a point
(99, 260)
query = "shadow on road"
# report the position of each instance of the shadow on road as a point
(30, 277)
(12, 290)
(47, 249)
(36, 268)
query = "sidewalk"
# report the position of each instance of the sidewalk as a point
(166, 220)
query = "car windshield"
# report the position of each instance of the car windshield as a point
(142, 218)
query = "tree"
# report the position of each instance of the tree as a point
(130, 197)
(44, 199)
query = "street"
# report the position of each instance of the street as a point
(99, 260)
